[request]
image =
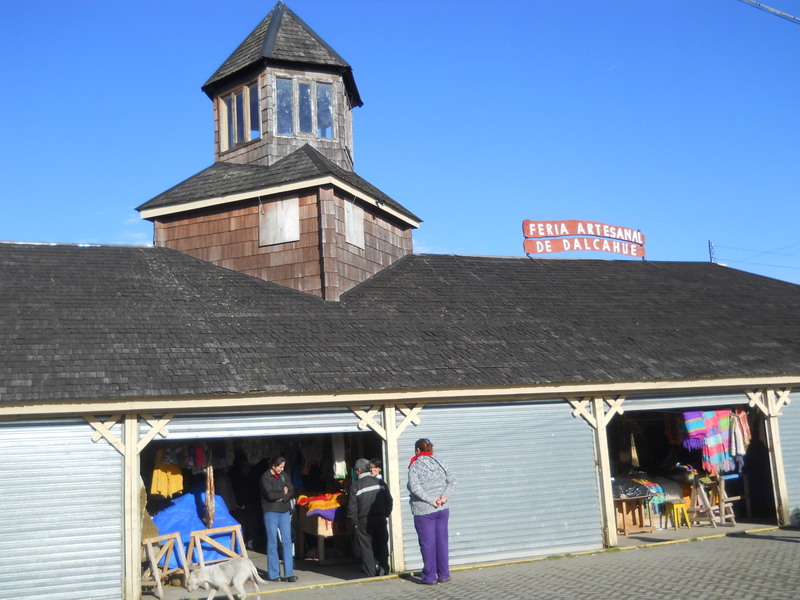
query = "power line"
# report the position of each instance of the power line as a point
(760, 252)
(771, 10)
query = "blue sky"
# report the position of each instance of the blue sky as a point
(675, 117)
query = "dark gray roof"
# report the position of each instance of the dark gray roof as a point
(224, 178)
(282, 37)
(121, 322)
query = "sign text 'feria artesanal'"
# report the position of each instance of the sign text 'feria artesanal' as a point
(544, 237)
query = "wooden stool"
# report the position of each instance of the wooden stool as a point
(676, 510)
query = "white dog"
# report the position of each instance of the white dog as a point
(222, 576)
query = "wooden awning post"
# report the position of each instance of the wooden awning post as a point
(770, 401)
(598, 419)
(132, 534)
(392, 472)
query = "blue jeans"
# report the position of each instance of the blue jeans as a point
(274, 522)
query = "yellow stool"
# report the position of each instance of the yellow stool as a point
(676, 510)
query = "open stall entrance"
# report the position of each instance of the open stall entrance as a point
(675, 471)
(177, 476)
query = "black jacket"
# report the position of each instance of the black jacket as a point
(273, 498)
(369, 498)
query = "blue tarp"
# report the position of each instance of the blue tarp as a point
(185, 514)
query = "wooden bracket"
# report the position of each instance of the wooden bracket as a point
(368, 419)
(769, 401)
(102, 430)
(579, 409)
(410, 417)
(611, 406)
(157, 427)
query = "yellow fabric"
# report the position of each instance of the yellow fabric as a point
(167, 478)
(321, 502)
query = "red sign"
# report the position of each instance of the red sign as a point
(545, 229)
(544, 237)
(546, 246)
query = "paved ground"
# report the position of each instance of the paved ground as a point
(760, 564)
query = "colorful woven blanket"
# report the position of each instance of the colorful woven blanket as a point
(327, 506)
(709, 431)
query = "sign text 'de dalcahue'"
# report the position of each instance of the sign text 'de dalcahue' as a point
(550, 236)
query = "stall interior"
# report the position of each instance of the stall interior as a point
(674, 468)
(214, 483)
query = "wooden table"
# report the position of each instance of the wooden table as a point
(633, 509)
(322, 528)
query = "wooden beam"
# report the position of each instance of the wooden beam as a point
(608, 513)
(392, 474)
(132, 535)
(775, 403)
(167, 404)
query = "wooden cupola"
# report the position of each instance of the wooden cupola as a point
(281, 201)
(282, 88)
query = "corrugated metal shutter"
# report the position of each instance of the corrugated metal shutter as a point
(275, 422)
(688, 402)
(789, 424)
(60, 512)
(526, 480)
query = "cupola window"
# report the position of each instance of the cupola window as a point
(240, 117)
(304, 107)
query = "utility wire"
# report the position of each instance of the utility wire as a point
(758, 252)
(769, 9)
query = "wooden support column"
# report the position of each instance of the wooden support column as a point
(390, 431)
(132, 534)
(604, 469)
(599, 418)
(129, 447)
(770, 401)
(392, 473)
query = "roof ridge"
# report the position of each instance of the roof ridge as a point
(274, 26)
(320, 160)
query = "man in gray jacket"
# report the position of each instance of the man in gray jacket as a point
(369, 505)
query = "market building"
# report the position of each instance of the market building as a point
(282, 310)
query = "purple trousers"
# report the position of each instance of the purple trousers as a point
(433, 544)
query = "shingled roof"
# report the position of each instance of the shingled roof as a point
(283, 37)
(121, 322)
(224, 179)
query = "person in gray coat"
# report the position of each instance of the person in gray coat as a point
(431, 483)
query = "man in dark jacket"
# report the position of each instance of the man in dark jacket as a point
(369, 505)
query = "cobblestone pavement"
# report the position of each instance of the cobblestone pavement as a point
(760, 565)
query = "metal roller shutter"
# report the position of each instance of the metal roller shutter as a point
(690, 402)
(276, 422)
(526, 480)
(60, 511)
(789, 424)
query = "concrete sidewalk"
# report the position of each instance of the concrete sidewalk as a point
(717, 563)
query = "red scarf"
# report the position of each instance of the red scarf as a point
(416, 456)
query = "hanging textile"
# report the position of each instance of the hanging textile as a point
(167, 477)
(709, 431)
(339, 462)
(695, 430)
(740, 437)
(716, 456)
(634, 454)
(208, 517)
